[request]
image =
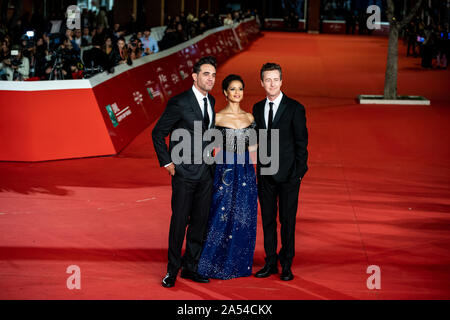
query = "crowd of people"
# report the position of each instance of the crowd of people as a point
(430, 42)
(182, 28)
(30, 51)
(426, 36)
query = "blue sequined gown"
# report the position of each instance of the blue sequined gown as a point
(231, 233)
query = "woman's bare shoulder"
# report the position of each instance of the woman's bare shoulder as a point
(219, 115)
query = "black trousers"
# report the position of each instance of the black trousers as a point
(411, 44)
(190, 208)
(284, 195)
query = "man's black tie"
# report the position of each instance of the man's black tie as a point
(205, 113)
(269, 128)
(269, 121)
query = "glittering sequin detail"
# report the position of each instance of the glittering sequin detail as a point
(237, 140)
(231, 234)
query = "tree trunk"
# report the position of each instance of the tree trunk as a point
(390, 82)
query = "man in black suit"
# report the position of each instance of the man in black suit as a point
(286, 115)
(192, 181)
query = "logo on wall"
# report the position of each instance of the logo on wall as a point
(138, 97)
(183, 74)
(153, 90)
(116, 115)
(162, 78)
(153, 93)
(175, 78)
(164, 82)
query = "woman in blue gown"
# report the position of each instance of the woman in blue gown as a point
(231, 233)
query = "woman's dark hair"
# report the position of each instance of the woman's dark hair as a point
(230, 78)
(204, 60)
(269, 66)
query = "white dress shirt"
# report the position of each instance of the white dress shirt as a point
(201, 103)
(276, 104)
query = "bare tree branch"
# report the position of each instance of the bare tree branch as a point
(390, 11)
(411, 14)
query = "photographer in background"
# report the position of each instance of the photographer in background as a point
(29, 46)
(96, 60)
(86, 38)
(228, 21)
(70, 37)
(169, 39)
(4, 50)
(78, 37)
(121, 54)
(38, 58)
(4, 54)
(117, 32)
(149, 43)
(108, 48)
(62, 62)
(135, 48)
(15, 67)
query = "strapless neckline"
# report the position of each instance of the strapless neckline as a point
(237, 128)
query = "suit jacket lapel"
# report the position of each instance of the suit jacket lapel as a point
(261, 114)
(212, 102)
(195, 106)
(280, 111)
(198, 111)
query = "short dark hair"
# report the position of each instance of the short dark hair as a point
(269, 66)
(204, 60)
(230, 78)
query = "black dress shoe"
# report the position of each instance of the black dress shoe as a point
(194, 276)
(169, 280)
(286, 275)
(266, 271)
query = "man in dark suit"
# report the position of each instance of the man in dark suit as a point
(192, 180)
(286, 115)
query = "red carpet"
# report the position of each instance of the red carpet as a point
(377, 193)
